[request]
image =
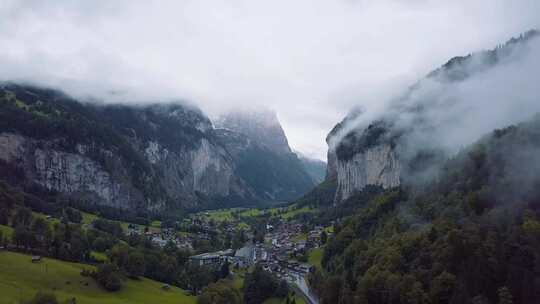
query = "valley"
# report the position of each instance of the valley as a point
(203, 180)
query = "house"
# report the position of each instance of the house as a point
(211, 258)
(36, 258)
(205, 259)
(245, 256)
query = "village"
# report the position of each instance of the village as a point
(282, 251)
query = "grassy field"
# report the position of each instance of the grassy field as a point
(315, 257)
(299, 237)
(251, 212)
(88, 218)
(219, 215)
(51, 220)
(20, 278)
(99, 256)
(7, 232)
(291, 211)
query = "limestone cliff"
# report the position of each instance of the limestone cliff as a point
(375, 166)
(131, 157)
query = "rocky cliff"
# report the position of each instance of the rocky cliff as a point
(152, 157)
(130, 157)
(259, 125)
(263, 158)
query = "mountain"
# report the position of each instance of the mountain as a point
(314, 167)
(148, 158)
(469, 235)
(408, 140)
(259, 147)
(259, 125)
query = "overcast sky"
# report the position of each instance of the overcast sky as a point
(309, 60)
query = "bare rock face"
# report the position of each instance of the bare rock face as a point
(69, 173)
(130, 157)
(378, 166)
(261, 154)
(259, 125)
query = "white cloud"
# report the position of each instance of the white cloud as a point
(310, 60)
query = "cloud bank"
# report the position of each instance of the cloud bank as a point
(310, 61)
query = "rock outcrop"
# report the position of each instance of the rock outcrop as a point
(377, 166)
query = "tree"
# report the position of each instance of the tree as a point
(4, 216)
(73, 215)
(443, 287)
(23, 217)
(108, 276)
(259, 286)
(135, 265)
(222, 292)
(282, 290)
(224, 270)
(23, 237)
(43, 298)
(324, 237)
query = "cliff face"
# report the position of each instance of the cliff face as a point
(261, 126)
(150, 158)
(146, 157)
(261, 153)
(375, 166)
(71, 173)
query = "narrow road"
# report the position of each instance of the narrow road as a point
(300, 285)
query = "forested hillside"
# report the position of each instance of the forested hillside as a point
(470, 235)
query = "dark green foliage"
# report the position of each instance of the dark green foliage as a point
(135, 265)
(472, 235)
(23, 217)
(43, 298)
(111, 227)
(322, 195)
(222, 292)
(73, 215)
(354, 142)
(267, 171)
(259, 286)
(108, 276)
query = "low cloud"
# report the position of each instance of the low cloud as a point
(311, 61)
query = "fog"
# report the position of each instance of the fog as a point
(310, 61)
(445, 115)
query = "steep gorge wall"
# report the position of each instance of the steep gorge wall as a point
(378, 166)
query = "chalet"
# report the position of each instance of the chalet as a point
(36, 258)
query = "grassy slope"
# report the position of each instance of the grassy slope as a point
(315, 257)
(21, 278)
(7, 232)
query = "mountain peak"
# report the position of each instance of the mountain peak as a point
(260, 125)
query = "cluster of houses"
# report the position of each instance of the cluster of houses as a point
(275, 255)
(163, 236)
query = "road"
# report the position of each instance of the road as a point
(301, 285)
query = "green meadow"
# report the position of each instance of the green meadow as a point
(21, 279)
